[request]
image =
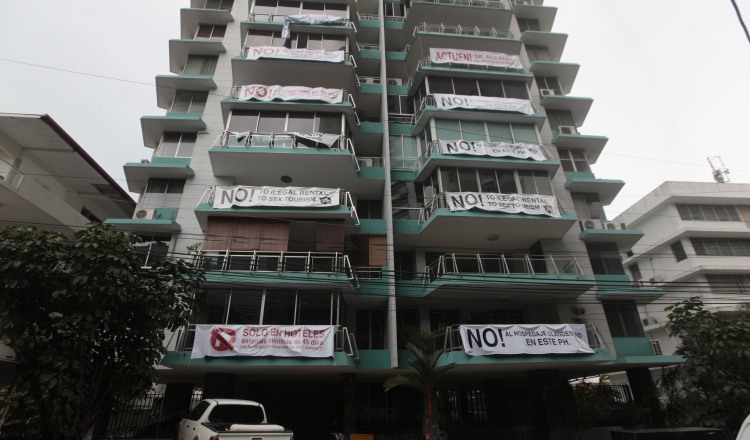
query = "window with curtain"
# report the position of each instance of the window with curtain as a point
(163, 193)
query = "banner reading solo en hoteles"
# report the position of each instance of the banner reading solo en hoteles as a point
(223, 340)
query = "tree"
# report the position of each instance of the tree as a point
(715, 378)
(87, 323)
(424, 378)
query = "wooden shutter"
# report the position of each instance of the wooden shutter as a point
(330, 237)
(275, 236)
(377, 251)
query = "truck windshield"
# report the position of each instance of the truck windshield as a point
(241, 414)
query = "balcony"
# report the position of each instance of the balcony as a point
(430, 108)
(554, 42)
(191, 18)
(481, 13)
(167, 86)
(434, 156)
(597, 231)
(564, 72)
(587, 183)
(153, 127)
(137, 174)
(491, 38)
(257, 157)
(331, 72)
(436, 225)
(543, 14)
(342, 208)
(148, 221)
(179, 50)
(577, 106)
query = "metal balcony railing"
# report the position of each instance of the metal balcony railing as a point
(501, 265)
(427, 62)
(490, 4)
(275, 261)
(10, 175)
(279, 18)
(450, 340)
(475, 31)
(272, 140)
(184, 338)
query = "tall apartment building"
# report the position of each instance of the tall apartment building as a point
(696, 243)
(375, 168)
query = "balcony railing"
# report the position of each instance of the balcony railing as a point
(279, 18)
(490, 4)
(184, 338)
(271, 261)
(10, 175)
(439, 202)
(272, 140)
(451, 339)
(475, 31)
(502, 265)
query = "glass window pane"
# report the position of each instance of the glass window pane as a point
(440, 85)
(465, 86)
(449, 180)
(507, 182)
(169, 143)
(490, 88)
(468, 179)
(187, 143)
(301, 122)
(279, 307)
(312, 8)
(473, 131)
(525, 133)
(526, 179)
(329, 123)
(245, 307)
(243, 121)
(500, 132)
(272, 122)
(515, 90)
(543, 184)
(448, 129)
(488, 181)
(334, 42)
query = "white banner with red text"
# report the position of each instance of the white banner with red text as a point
(517, 150)
(262, 92)
(288, 196)
(476, 57)
(328, 56)
(223, 340)
(449, 102)
(532, 204)
(489, 339)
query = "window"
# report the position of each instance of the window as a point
(174, 144)
(210, 32)
(89, 215)
(200, 65)
(538, 53)
(549, 82)
(528, 24)
(726, 247)
(163, 193)
(369, 208)
(153, 249)
(623, 319)
(656, 347)
(731, 284)
(297, 40)
(186, 101)
(488, 180)
(219, 4)
(678, 250)
(574, 160)
(712, 213)
(604, 258)
(635, 272)
(588, 206)
(449, 129)
(482, 87)
(370, 329)
(400, 105)
(560, 117)
(265, 123)
(404, 152)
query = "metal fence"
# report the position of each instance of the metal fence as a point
(144, 416)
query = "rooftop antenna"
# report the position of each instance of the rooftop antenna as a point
(720, 172)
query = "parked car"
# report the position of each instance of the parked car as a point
(215, 419)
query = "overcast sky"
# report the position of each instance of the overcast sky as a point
(669, 79)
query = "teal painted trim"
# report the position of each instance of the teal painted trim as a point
(604, 233)
(344, 63)
(652, 360)
(406, 227)
(371, 173)
(395, 56)
(182, 359)
(564, 216)
(609, 280)
(373, 287)
(165, 213)
(146, 225)
(551, 281)
(370, 127)
(205, 207)
(588, 177)
(403, 176)
(397, 90)
(473, 159)
(369, 23)
(461, 358)
(640, 346)
(372, 226)
(412, 288)
(374, 360)
(394, 25)
(189, 117)
(268, 150)
(276, 278)
(172, 161)
(293, 104)
(369, 88)
(369, 54)
(179, 165)
(396, 129)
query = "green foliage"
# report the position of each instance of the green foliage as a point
(86, 321)
(712, 387)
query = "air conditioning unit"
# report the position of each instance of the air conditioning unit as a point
(145, 161)
(590, 224)
(365, 162)
(144, 214)
(609, 225)
(395, 82)
(546, 92)
(523, 2)
(367, 80)
(566, 129)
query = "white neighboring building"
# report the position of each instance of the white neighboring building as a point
(696, 243)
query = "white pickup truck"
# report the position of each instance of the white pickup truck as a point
(216, 419)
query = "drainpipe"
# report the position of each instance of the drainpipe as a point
(390, 274)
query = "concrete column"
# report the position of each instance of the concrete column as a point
(645, 395)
